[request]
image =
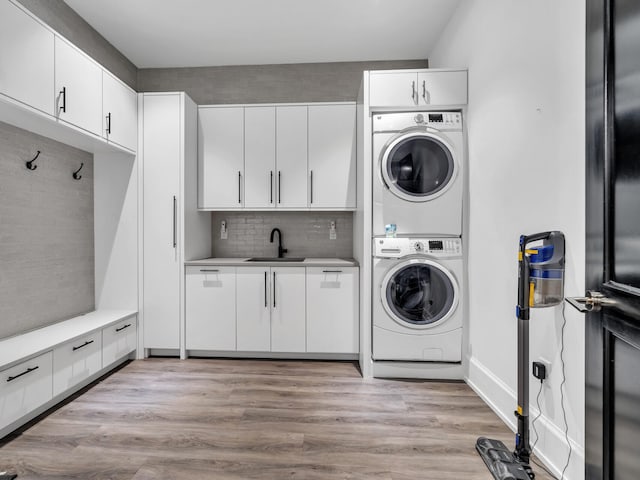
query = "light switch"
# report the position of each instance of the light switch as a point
(223, 230)
(332, 230)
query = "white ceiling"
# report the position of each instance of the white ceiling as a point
(189, 33)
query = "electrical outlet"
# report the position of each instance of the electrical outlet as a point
(332, 230)
(541, 369)
(223, 230)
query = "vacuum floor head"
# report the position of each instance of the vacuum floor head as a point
(501, 462)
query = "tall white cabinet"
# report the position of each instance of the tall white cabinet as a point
(172, 230)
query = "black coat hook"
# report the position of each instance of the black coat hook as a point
(30, 164)
(75, 174)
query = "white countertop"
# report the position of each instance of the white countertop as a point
(307, 262)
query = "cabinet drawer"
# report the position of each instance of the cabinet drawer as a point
(25, 387)
(119, 340)
(75, 361)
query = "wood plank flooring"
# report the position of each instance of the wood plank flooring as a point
(230, 419)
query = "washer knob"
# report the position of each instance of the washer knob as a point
(419, 118)
(418, 246)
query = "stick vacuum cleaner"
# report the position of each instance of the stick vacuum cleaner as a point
(540, 284)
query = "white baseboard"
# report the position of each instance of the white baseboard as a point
(551, 448)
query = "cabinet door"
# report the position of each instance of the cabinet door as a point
(253, 309)
(443, 88)
(332, 156)
(78, 88)
(210, 308)
(25, 387)
(120, 110)
(220, 157)
(393, 89)
(76, 361)
(288, 332)
(259, 157)
(332, 310)
(161, 189)
(26, 59)
(119, 340)
(291, 158)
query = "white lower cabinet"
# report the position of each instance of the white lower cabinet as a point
(332, 310)
(271, 309)
(25, 387)
(76, 361)
(210, 308)
(119, 340)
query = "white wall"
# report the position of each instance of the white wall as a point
(526, 174)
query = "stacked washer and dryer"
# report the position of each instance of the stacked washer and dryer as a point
(418, 271)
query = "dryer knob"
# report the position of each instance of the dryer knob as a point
(418, 246)
(419, 118)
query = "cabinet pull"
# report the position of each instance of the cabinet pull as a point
(123, 327)
(28, 370)
(271, 187)
(208, 270)
(63, 94)
(414, 95)
(175, 218)
(279, 186)
(274, 289)
(331, 271)
(311, 172)
(424, 90)
(109, 123)
(88, 342)
(266, 302)
(239, 181)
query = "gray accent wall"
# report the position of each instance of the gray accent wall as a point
(295, 83)
(304, 234)
(46, 232)
(64, 20)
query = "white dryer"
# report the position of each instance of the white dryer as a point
(417, 299)
(418, 173)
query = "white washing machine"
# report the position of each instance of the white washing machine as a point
(417, 299)
(418, 173)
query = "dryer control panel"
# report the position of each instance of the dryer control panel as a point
(401, 247)
(395, 122)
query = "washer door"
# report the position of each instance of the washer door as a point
(419, 293)
(418, 166)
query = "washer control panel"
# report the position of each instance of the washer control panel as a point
(396, 122)
(401, 247)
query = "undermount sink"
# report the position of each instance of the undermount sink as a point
(274, 259)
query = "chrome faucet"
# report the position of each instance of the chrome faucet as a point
(281, 251)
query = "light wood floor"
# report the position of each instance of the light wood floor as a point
(255, 419)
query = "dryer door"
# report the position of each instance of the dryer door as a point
(419, 293)
(418, 166)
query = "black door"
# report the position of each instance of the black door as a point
(612, 390)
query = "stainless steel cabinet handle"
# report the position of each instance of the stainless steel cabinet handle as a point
(175, 218)
(271, 186)
(274, 289)
(88, 342)
(208, 270)
(414, 95)
(28, 370)
(311, 172)
(239, 188)
(266, 301)
(331, 271)
(279, 186)
(424, 90)
(109, 123)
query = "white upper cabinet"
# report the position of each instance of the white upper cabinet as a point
(26, 59)
(291, 154)
(78, 88)
(415, 88)
(120, 111)
(220, 157)
(332, 156)
(259, 156)
(442, 88)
